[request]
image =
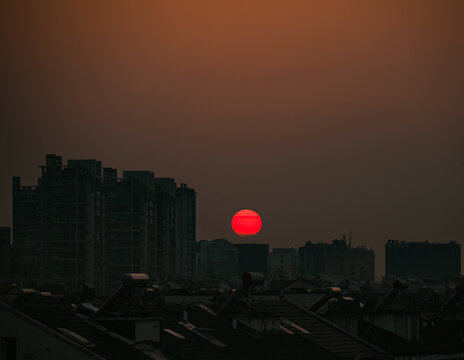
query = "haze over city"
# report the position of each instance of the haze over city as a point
(320, 116)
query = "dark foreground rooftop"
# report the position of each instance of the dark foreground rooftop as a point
(134, 323)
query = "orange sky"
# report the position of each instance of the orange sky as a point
(318, 115)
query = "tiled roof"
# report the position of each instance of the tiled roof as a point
(321, 332)
(191, 346)
(239, 345)
(56, 316)
(439, 339)
(209, 336)
(276, 286)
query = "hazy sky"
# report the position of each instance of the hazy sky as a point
(319, 115)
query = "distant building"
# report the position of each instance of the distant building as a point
(283, 263)
(217, 258)
(338, 259)
(252, 257)
(5, 236)
(175, 229)
(129, 225)
(8, 255)
(82, 223)
(422, 259)
(70, 221)
(26, 229)
(165, 227)
(185, 231)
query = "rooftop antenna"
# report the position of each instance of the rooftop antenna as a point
(350, 237)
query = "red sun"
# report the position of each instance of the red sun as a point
(246, 222)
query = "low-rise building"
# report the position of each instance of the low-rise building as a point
(135, 323)
(422, 259)
(253, 257)
(217, 258)
(338, 259)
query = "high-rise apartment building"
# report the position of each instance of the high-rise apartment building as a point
(185, 220)
(5, 236)
(26, 229)
(422, 259)
(129, 225)
(70, 220)
(8, 257)
(165, 228)
(80, 222)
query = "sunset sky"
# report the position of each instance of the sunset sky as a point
(319, 115)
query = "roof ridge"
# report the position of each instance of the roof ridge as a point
(335, 326)
(50, 330)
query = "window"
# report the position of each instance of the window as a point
(9, 348)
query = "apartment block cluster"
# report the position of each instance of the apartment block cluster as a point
(337, 260)
(82, 222)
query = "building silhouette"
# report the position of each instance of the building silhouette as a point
(176, 229)
(217, 258)
(8, 256)
(83, 223)
(5, 236)
(253, 257)
(338, 259)
(70, 221)
(129, 225)
(185, 231)
(422, 259)
(26, 229)
(283, 263)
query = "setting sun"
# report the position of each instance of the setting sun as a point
(246, 222)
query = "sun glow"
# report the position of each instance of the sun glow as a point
(246, 222)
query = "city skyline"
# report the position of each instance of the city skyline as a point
(113, 173)
(229, 179)
(320, 116)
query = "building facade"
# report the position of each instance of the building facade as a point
(8, 256)
(70, 221)
(283, 263)
(26, 229)
(129, 226)
(422, 259)
(82, 222)
(338, 259)
(252, 257)
(185, 231)
(217, 258)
